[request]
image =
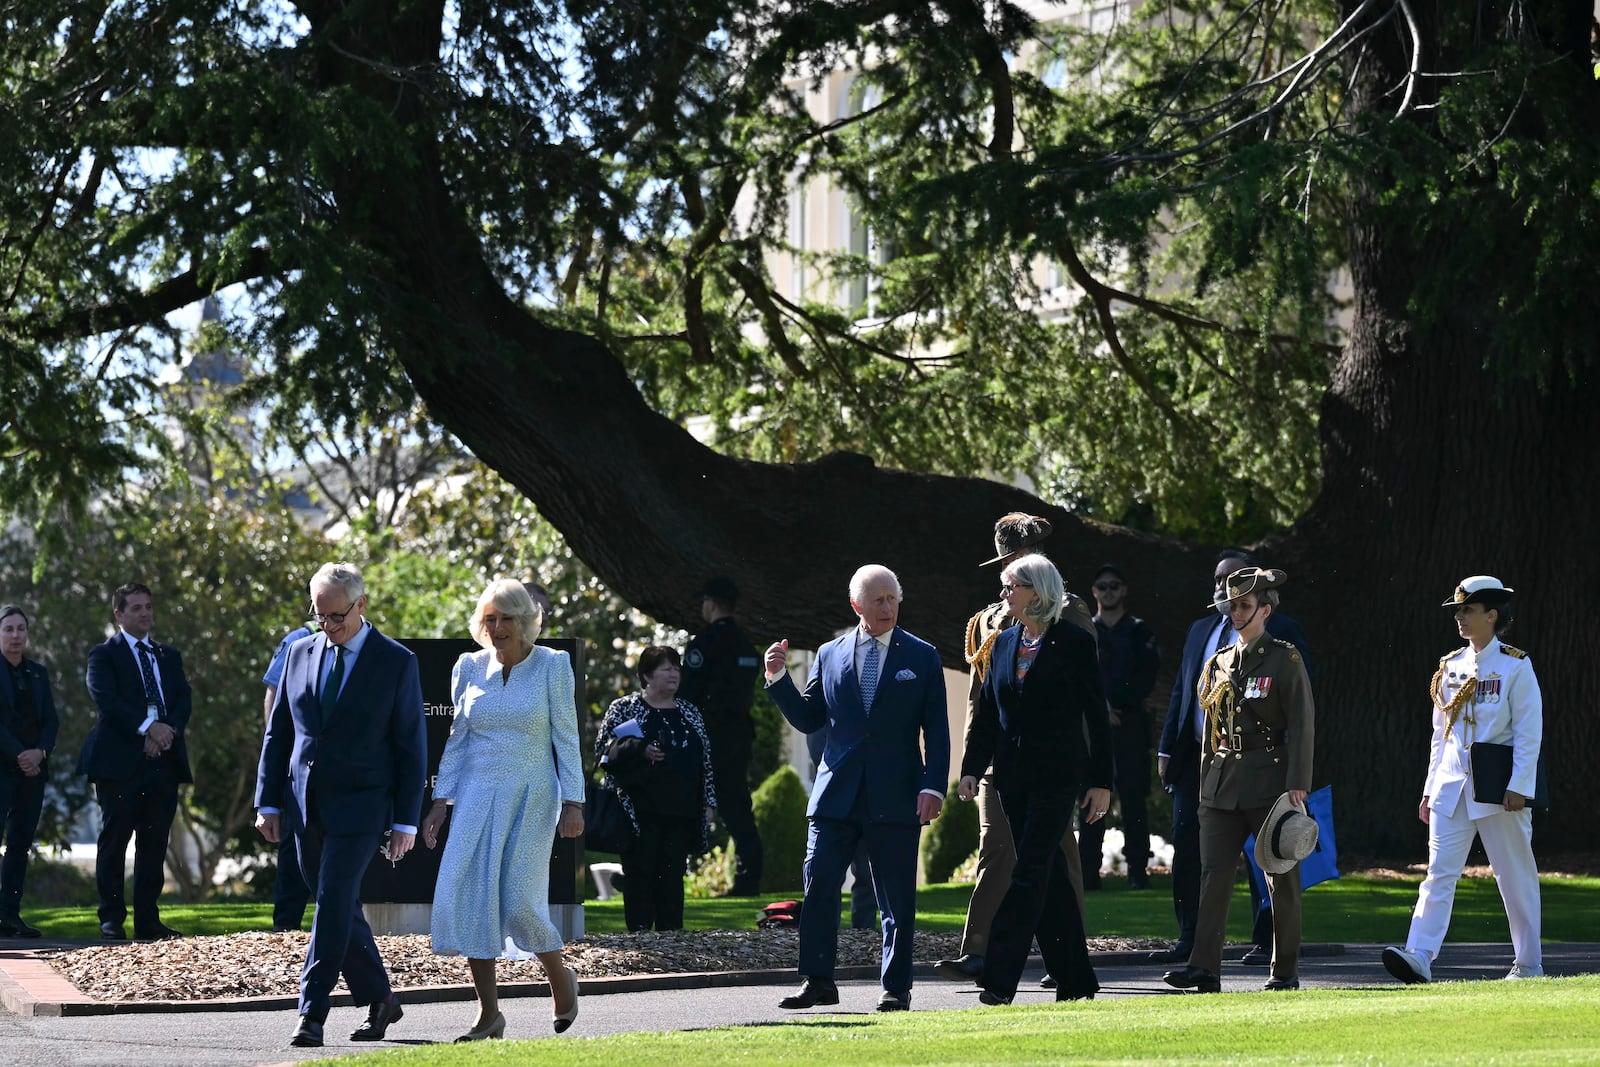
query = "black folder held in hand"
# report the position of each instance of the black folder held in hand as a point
(1491, 775)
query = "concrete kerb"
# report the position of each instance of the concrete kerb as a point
(30, 986)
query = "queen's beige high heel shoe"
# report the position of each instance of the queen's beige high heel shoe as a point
(495, 1027)
(563, 1019)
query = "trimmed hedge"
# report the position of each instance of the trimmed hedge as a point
(951, 839)
(780, 809)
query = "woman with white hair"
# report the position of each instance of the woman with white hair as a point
(1040, 701)
(513, 777)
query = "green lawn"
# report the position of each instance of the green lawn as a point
(1356, 908)
(1535, 1023)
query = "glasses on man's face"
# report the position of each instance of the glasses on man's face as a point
(335, 618)
(1107, 587)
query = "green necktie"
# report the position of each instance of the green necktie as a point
(330, 688)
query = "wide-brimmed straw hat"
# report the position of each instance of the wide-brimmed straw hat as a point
(1015, 532)
(1288, 836)
(1249, 580)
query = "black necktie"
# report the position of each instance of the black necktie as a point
(152, 691)
(330, 689)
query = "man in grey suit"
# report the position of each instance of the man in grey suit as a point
(879, 691)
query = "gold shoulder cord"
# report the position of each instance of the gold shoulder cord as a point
(978, 653)
(1462, 698)
(1220, 702)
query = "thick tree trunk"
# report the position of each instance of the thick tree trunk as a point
(1432, 472)
(1435, 469)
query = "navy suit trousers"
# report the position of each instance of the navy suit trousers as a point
(341, 940)
(892, 852)
(1186, 855)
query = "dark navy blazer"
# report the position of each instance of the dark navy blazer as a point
(364, 767)
(114, 749)
(894, 750)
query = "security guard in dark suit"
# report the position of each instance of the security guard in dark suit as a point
(720, 668)
(1258, 737)
(28, 726)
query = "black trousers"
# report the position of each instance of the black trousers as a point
(730, 774)
(1040, 902)
(1186, 855)
(21, 802)
(1130, 750)
(140, 810)
(652, 872)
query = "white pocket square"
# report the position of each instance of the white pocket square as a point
(905, 675)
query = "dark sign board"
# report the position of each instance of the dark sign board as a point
(411, 881)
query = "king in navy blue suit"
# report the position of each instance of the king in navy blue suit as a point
(880, 693)
(347, 743)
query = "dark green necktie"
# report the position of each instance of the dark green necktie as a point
(330, 688)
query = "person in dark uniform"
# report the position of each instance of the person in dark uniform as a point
(28, 725)
(1129, 661)
(1258, 742)
(720, 668)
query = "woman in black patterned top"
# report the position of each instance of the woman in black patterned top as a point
(656, 753)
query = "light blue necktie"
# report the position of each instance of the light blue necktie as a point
(869, 673)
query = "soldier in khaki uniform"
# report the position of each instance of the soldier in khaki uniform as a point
(1014, 534)
(1258, 745)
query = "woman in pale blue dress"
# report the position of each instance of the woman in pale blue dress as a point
(512, 775)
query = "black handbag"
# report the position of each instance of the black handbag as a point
(1491, 775)
(606, 826)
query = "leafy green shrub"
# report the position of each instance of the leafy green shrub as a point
(712, 876)
(780, 810)
(950, 840)
(53, 884)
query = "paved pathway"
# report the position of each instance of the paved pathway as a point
(256, 1032)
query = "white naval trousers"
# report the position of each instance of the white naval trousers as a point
(1508, 842)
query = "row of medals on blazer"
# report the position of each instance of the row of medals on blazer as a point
(1220, 701)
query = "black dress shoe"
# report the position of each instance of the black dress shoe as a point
(158, 932)
(1086, 994)
(1275, 983)
(13, 926)
(379, 1016)
(1195, 978)
(112, 932)
(307, 1033)
(992, 999)
(1178, 953)
(1047, 982)
(813, 991)
(1257, 957)
(965, 968)
(892, 1001)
